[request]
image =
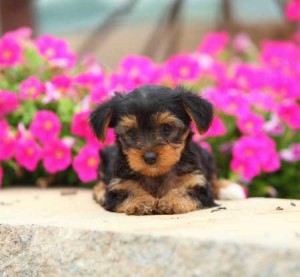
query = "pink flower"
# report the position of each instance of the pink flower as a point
(262, 100)
(28, 153)
(119, 82)
(289, 112)
(7, 146)
(291, 154)
(253, 154)
(4, 127)
(31, 88)
(80, 125)
(86, 163)
(8, 102)
(292, 10)
(1, 176)
(139, 69)
(250, 123)
(213, 43)
(19, 34)
(45, 126)
(242, 43)
(216, 129)
(89, 80)
(182, 67)
(99, 93)
(56, 156)
(60, 86)
(274, 127)
(56, 51)
(10, 52)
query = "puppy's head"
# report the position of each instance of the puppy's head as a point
(152, 125)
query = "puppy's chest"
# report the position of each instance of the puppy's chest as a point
(159, 186)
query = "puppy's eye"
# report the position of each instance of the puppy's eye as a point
(132, 133)
(166, 129)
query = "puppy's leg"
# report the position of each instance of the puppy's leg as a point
(129, 197)
(187, 193)
(99, 192)
(227, 190)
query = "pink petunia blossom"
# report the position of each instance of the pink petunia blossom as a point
(216, 129)
(1, 176)
(119, 82)
(31, 88)
(89, 80)
(254, 154)
(4, 127)
(250, 123)
(80, 125)
(10, 52)
(292, 10)
(242, 43)
(182, 67)
(28, 153)
(140, 70)
(56, 51)
(56, 156)
(289, 112)
(99, 94)
(45, 126)
(86, 163)
(274, 126)
(291, 154)
(7, 146)
(213, 43)
(8, 102)
(19, 34)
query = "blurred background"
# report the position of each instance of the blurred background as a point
(110, 29)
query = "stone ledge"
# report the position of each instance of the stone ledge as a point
(45, 233)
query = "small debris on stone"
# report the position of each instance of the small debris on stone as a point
(218, 209)
(5, 203)
(68, 192)
(279, 209)
(293, 204)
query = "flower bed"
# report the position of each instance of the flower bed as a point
(46, 95)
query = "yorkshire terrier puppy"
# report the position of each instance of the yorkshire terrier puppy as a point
(155, 167)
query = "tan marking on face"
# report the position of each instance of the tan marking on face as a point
(165, 118)
(129, 121)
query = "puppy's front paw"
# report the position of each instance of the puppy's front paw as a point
(141, 206)
(176, 205)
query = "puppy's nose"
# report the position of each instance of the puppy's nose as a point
(150, 157)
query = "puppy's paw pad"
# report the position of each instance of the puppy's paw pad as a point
(232, 191)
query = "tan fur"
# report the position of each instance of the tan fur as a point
(165, 118)
(129, 121)
(168, 155)
(139, 202)
(176, 200)
(98, 192)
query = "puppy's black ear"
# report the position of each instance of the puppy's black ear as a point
(199, 110)
(100, 119)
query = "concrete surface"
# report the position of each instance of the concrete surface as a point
(57, 232)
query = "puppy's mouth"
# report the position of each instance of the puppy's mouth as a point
(154, 162)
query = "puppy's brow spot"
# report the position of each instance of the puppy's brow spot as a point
(164, 118)
(129, 121)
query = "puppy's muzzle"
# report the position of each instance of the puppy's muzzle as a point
(150, 157)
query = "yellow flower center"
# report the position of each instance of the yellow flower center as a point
(59, 154)
(249, 152)
(184, 71)
(92, 162)
(49, 52)
(249, 125)
(31, 90)
(29, 151)
(7, 54)
(48, 125)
